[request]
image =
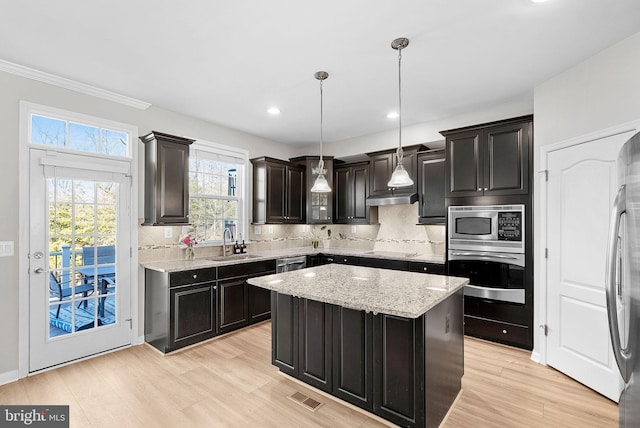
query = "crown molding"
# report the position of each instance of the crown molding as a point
(63, 82)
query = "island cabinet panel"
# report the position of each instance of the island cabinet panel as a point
(405, 370)
(444, 357)
(233, 303)
(353, 356)
(284, 333)
(399, 369)
(315, 343)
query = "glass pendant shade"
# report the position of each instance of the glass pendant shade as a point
(400, 177)
(321, 185)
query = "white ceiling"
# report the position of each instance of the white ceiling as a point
(227, 62)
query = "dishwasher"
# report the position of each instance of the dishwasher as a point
(291, 263)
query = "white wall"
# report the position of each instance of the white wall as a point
(426, 132)
(599, 93)
(13, 90)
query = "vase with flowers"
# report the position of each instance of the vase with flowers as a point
(190, 242)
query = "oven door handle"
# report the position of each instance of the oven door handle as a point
(517, 260)
(495, 256)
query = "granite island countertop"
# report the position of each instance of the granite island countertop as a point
(404, 294)
(200, 263)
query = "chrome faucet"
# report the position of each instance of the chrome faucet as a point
(224, 240)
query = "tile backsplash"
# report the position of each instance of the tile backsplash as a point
(396, 231)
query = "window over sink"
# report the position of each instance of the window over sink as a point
(217, 191)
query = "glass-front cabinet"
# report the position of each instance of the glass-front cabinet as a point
(319, 205)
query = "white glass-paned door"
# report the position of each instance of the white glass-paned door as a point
(79, 266)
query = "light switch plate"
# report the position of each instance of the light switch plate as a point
(353, 229)
(6, 248)
(168, 232)
(257, 230)
(270, 230)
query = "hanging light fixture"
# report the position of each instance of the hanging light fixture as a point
(400, 176)
(321, 185)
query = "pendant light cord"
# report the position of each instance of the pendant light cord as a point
(400, 151)
(321, 163)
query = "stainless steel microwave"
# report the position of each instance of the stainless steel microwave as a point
(487, 228)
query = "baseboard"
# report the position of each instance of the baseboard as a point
(138, 340)
(535, 356)
(8, 377)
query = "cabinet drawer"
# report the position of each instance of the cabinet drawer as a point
(229, 271)
(192, 276)
(344, 260)
(383, 263)
(497, 331)
(434, 268)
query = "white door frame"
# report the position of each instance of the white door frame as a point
(541, 281)
(23, 225)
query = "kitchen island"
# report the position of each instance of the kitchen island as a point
(389, 342)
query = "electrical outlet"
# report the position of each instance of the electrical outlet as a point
(168, 232)
(353, 229)
(305, 228)
(6, 248)
(270, 230)
(257, 230)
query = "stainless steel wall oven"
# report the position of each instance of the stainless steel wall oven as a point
(487, 245)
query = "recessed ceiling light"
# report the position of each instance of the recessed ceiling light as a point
(393, 115)
(538, 1)
(273, 110)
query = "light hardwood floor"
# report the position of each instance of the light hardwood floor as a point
(230, 382)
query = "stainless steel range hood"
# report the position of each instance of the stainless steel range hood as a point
(392, 199)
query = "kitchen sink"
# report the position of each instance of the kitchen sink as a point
(231, 257)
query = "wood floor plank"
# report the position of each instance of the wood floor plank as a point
(230, 382)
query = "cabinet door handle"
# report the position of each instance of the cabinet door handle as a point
(504, 331)
(479, 189)
(424, 269)
(485, 189)
(195, 276)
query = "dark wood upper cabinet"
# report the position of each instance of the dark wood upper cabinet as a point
(319, 206)
(384, 162)
(431, 187)
(166, 197)
(490, 159)
(350, 193)
(279, 191)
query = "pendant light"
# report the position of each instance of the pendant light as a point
(321, 185)
(400, 176)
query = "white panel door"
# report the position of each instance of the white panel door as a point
(581, 189)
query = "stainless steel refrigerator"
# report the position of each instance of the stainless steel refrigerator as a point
(623, 279)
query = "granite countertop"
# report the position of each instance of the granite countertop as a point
(181, 265)
(404, 294)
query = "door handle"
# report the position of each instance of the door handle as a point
(39, 270)
(623, 356)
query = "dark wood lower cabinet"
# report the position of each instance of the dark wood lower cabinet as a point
(233, 303)
(284, 333)
(399, 366)
(259, 304)
(315, 343)
(353, 356)
(192, 314)
(407, 371)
